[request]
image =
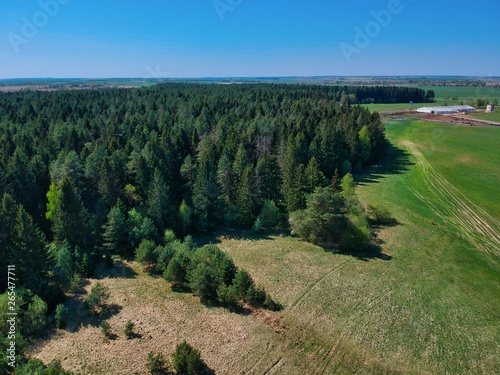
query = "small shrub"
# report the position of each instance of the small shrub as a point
(156, 363)
(242, 283)
(106, 329)
(256, 296)
(35, 366)
(61, 315)
(379, 214)
(35, 317)
(129, 329)
(227, 295)
(257, 226)
(268, 218)
(169, 236)
(98, 297)
(145, 253)
(270, 304)
(74, 283)
(187, 360)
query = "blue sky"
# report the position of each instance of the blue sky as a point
(214, 38)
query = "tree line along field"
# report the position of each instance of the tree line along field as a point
(426, 304)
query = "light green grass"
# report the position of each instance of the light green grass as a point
(463, 92)
(395, 106)
(495, 116)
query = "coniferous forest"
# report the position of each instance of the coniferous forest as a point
(87, 174)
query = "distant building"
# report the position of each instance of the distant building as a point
(490, 108)
(447, 109)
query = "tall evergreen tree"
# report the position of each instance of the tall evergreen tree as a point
(245, 198)
(71, 220)
(8, 214)
(30, 252)
(160, 204)
(116, 231)
(207, 208)
(267, 179)
(313, 176)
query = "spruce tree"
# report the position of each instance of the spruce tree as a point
(245, 198)
(30, 252)
(116, 231)
(70, 220)
(160, 205)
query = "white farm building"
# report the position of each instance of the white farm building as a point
(447, 109)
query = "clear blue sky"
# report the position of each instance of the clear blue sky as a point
(190, 38)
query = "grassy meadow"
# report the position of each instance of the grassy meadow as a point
(396, 106)
(425, 303)
(463, 93)
(495, 116)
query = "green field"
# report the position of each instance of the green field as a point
(428, 303)
(495, 116)
(463, 92)
(395, 106)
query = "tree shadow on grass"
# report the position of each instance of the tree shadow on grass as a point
(228, 233)
(204, 371)
(135, 335)
(79, 315)
(81, 287)
(396, 161)
(372, 252)
(119, 270)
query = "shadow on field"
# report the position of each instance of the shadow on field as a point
(374, 251)
(204, 371)
(120, 270)
(396, 161)
(231, 234)
(80, 316)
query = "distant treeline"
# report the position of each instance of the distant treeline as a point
(384, 94)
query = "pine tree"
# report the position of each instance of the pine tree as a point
(267, 179)
(313, 176)
(245, 198)
(53, 201)
(22, 180)
(207, 208)
(30, 252)
(225, 180)
(116, 231)
(365, 144)
(8, 214)
(160, 205)
(71, 220)
(185, 217)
